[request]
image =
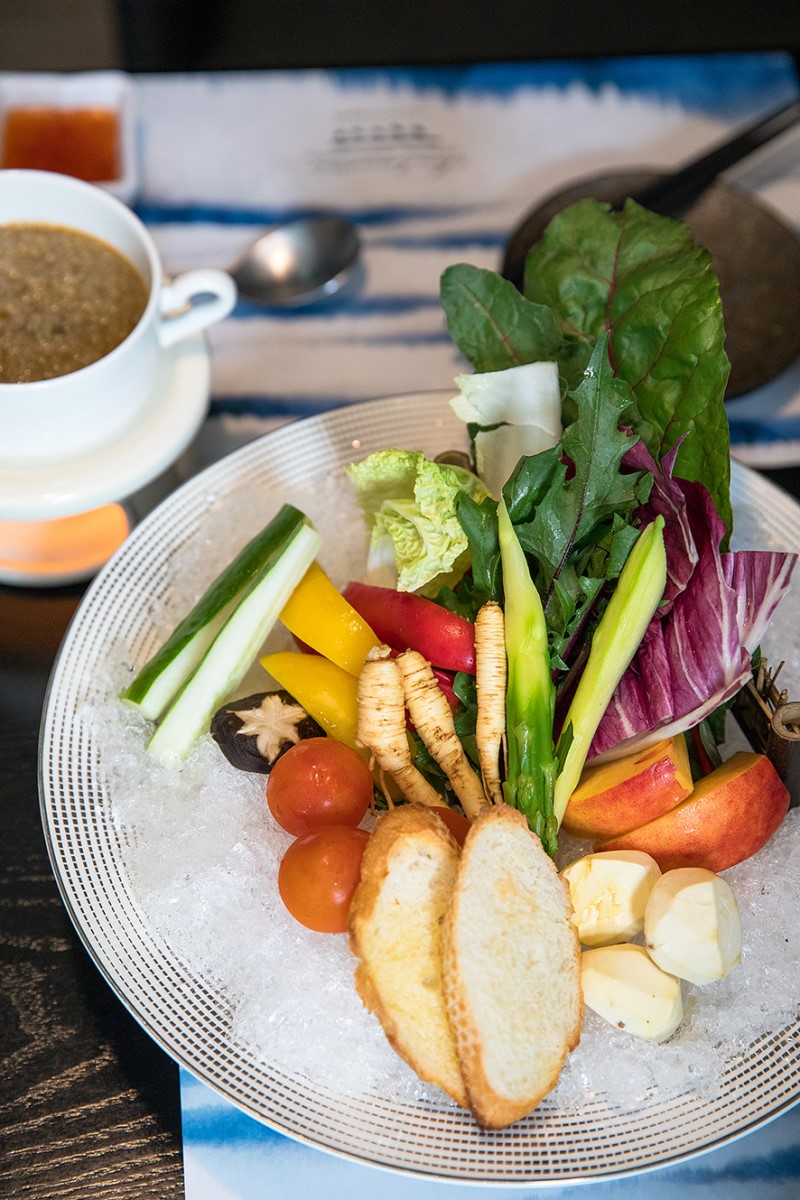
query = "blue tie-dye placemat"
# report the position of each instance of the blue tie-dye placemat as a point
(230, 1156)
(436, 165)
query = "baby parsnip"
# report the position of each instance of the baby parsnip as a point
(609, 893)
(692, 926)
(624, 985)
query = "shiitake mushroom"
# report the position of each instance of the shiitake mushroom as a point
(255, 731)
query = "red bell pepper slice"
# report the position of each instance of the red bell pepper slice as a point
(405, 621)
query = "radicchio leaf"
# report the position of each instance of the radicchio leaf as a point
(759, 570)
(667, 500)
(696, 656)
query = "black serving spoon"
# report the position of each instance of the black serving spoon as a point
(755, 255)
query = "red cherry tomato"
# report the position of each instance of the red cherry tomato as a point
(318, 782)
(319, 874)
(455, 822)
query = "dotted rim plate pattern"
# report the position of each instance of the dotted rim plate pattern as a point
(189, 1020)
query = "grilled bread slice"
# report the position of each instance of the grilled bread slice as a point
(511, 969)
(407, 877)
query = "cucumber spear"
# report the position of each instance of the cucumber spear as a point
(158, 682)
(234, 648)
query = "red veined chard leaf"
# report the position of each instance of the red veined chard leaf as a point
(494, 326)
(642, 279)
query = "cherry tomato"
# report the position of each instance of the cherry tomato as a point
(455, 822)
(319, 874)
(318, 782)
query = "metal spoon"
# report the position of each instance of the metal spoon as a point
(755, 255)
(298, 263)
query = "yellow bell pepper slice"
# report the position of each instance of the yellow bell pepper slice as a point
(318, 614)
(325, 690)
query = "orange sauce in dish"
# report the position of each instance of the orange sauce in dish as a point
(82, 142)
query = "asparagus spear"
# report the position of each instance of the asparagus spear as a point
(530, 695)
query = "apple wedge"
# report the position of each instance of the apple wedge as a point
(730, 815)
(614, 797)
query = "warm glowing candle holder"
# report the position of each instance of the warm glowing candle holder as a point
(61, 520)
(63, 550)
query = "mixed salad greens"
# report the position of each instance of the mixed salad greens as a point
(627, 308)
(639, 279)
(564, 595)
(598, 517)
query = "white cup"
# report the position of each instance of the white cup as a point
(49, 419)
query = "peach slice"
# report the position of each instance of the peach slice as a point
(730, 815)
(615, 797)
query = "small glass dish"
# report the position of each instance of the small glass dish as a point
(78, 124)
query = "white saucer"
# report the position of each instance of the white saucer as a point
(37, 492)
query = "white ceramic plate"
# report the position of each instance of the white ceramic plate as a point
(189, 1017)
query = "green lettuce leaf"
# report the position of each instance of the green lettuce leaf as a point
(571, 508)
(410, 505)
(638, 277)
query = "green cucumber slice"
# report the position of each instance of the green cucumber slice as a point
(233, 650)
(162, 677)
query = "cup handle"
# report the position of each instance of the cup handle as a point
(176, 320)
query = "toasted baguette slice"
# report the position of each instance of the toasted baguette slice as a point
(511, 969)
(396, 918)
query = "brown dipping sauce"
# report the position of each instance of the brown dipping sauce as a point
(66, 299)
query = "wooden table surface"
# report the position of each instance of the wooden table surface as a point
(89, 1105)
